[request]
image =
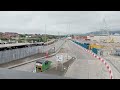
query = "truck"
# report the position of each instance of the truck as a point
(42, 65)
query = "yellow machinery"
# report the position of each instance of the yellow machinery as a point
(95, 46)
(110, 40)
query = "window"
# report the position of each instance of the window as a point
(46, 62)
(39, 68)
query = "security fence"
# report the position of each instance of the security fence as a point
(16, 54)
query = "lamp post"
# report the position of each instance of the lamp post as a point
(46, 41)
(67, 35)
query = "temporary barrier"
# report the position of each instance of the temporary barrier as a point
(95, 50)
(85, 45)
(103, 61)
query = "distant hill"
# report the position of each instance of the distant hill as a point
(100, 33)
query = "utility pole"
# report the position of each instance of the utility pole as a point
(67, 35)
(45, 32)
(44, 38)
(58, 35)
(106, 29)
(46, 41)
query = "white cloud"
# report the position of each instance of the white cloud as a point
(57, 21)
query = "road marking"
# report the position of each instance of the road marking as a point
(103, 61)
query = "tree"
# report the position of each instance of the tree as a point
(22, 35)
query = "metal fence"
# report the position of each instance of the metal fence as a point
(16, 54)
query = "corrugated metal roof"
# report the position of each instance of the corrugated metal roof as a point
(40, 61)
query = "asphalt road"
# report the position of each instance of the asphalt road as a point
(56, 45)
(85, 66)
(31, 66)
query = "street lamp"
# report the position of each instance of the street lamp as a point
(46, 41)
(67, 36)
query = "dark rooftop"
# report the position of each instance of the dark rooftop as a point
(40, 61)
